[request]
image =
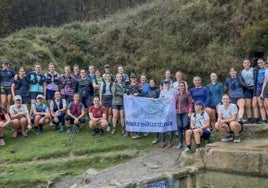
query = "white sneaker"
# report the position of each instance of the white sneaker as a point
(227, 139)
(155, 141)
(187, 150)
(108, 128)
(237, 139)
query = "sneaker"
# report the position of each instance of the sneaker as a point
(108, 129)
(37, 131)
(136, 136)
(145, 134)
(163, 144)
(126, 134)
(187, 150)
(61, 128)
(77, 129)
(155, 141)
(227, 139)
(123, 131)
(94, 132)
(2, 142)
(237, 139)
(68, 130)
(101, 132)
(113, 131)
(15, 134)
(170, 145)
(57, 127)
(24, 134)
(179, 146)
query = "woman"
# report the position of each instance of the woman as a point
(97, 81)
(52, 81)
(216, 91)
(235, 87)
(118, 91)
(248, 76)
(21, 85)
(184, 108)
(227, 115)
(199, 126)
(106, 98)
(6, 77)
(4, 121)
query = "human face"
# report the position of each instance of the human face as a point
(143, 79)
(181, 87)
(82, 73)
(246, 64)
(67, 70)
(96, 101)
(5, 65)
(213, 77)
(152, 83)
(76, 70)
(167, 74)
(57, 95)
(51, 68)
(119, 78)
(97, 74)
(197, 82)
(261, 63)
(76, 98)
(225, 100)
(178, 76)
(108, 77)
(120, 70)
(167, 85)
(18, 102)
(91, 69)
(37, 68)
(198, 108)
(22, 72)
(233, 73)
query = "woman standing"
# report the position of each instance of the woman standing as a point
(118, 91)
(183, 109)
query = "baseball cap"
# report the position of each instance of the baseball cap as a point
(199, 103)
(40, 97)
(167, 81)
(5, 61)
(106, 66)
(17, 97)
(133, 75)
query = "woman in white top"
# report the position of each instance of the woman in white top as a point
(227, 120)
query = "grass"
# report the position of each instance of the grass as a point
(45, 158)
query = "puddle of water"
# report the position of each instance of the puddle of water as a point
(211, 179)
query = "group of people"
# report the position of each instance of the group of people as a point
(64, 100)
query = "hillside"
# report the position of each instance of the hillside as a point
(195, 36)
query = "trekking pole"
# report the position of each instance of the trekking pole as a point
(70, 137)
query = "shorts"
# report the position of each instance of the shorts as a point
(234, 100)
(248, 93)
(206, 134)
(107, 101)
(5, 90)
(61, 117)
(50, 94)
(257, 93)
(117, 107)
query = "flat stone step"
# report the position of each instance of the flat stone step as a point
(248, 157)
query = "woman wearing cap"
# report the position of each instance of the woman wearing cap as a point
(6, 77)
(21, 85)
(227, 120)
(20, 117)
(199, 126)
(40, 114)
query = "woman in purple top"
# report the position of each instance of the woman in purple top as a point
(235, 88)
(200, 93)
(183, 110)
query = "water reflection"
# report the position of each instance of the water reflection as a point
(212, 179)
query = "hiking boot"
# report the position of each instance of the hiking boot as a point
(15, 134)
(155, 141)
(2, 142)
(126, 134)
(113, 131)
(187, 150)
(77, 129)
(227, 138)
(61, 128)
(57, 127)
(101, 132)
(179, 146)
(123, 131)
(163, 144)
(237, 139)
(145, 134)
(68, 130)
(24, 134)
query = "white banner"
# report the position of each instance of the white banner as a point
(148, 115)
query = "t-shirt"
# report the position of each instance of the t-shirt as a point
(51, 105)
(200, 119)
(229, 112)
(15, 110)
(97, 112)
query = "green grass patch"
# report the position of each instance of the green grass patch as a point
(46, 158)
